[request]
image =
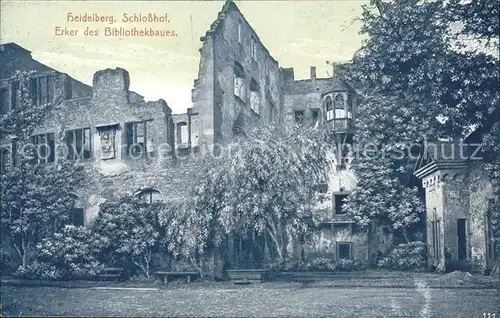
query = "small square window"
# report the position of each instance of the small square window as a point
(344, 251)
(299, 116)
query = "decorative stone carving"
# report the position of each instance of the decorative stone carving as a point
(108, 150)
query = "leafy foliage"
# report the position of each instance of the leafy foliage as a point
(315, 265)
(36, 199)
(409, 256)
(263, 183)
(69, 254)
(418, 80)
(131, 233)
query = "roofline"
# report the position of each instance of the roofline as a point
(439, 165)
(16, 46)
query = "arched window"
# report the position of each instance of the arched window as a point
(329, 108)
(149, 195)
(339, 106)
(254, 97)
(239, 81)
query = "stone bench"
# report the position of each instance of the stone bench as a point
(241, 276)
(164, 276)
(112, 273)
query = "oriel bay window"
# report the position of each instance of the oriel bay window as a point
(340, 105)
(137, 145)
(329, 108)
(43, 148)
(78, 144)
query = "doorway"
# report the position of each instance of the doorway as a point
(462, 239)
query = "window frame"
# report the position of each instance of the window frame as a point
(74, 156)
(337, 250)
(146, 150)
(297, 111)
(179, 127)
(240, 37)
(48, 142)
(239, 89)
(315, 114)
(342, 194)
(42, 89)
(255, 101)
(253, 48)
(340, 103)
(330, 112)
(148, 194)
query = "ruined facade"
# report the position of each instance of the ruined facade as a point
(133, 147)
(126, 144)
(240, 84)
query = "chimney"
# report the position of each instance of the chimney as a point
(313, 72)
(111, 83)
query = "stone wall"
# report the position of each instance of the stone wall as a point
(109, 109)
(306, 95)
(453, 194)
(203, 93)
(229, 44)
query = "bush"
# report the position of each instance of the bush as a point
(408, 256)
(37, 270)
(319, 264)
(347, 265)
(70, 254)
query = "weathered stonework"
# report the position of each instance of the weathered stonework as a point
(457, 193)
(235, 67)
(239, 84)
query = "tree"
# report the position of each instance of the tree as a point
(36, 198)
(132, 232)
(263, 183)
(419, 78)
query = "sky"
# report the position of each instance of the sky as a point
(298, 34)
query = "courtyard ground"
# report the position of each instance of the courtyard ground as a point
(415, 298)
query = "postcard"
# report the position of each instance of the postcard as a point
(250, 158)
